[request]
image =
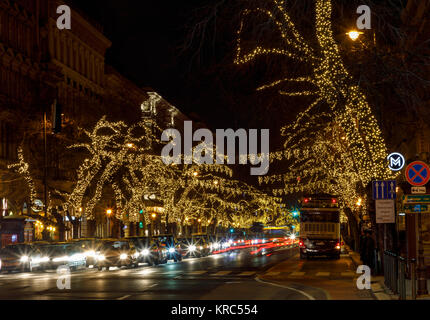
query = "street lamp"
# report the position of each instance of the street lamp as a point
(195, 173)
(108, 213)
(354, 34)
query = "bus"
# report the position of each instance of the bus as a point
(320, 227)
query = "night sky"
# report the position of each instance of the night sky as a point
(148, 39)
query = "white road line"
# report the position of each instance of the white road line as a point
(124, 297)
(286, 287)
(297, 274)
(323, 274)
(221, 273)
(197, 272)
(272, 273)
(247, 273)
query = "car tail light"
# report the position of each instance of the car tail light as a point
(306, 200)
(333, 201)
(338, 245)
(301, 244)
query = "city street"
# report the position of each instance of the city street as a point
(228, 276)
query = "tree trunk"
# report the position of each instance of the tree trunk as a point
(352, 221)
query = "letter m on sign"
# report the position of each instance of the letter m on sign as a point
(395, 162)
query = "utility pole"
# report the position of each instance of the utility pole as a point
(45, 167)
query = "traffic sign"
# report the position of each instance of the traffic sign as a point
(414, 198)
(418, 190)
(396, 161)
(385, 211)
(383, 190)
(417, 173)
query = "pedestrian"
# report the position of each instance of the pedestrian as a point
(369, 250)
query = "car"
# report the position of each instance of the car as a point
(171, 249)
(22, 257)
(116, 253)
(66, 254)
(189, 248)
(202, 243)
(91, 247)
(148, 249)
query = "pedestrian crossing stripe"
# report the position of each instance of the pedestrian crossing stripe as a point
(323, 274)
(197, 272)
(297, 274)
(221, 273)
(347, 274)
(247, 273)
(272, 273)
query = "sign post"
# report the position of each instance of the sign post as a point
(418, 174)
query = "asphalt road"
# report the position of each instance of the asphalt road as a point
(228, 276)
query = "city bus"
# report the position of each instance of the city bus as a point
(320, 227)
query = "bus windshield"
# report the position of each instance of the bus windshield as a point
(316, 216)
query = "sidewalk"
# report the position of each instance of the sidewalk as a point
(378, 288)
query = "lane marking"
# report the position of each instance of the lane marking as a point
(124, 297)
(286, 287)
(272, 273)
(221, 273)
(247, 273)
(197, 272)
(323, 274)
(297, 274)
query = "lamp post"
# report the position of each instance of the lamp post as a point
(108, 214)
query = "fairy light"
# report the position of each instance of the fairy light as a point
(338, 150)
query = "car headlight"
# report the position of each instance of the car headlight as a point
(216, 245)
(24, 259)
(201, 248)
(90, 253)
(171, 250)
(101, 257)
(123, 256)
(145, 252)
(192, 248)
(76, 257)
(61, 259)
(135, 255)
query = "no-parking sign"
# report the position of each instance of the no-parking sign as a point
(417, 173)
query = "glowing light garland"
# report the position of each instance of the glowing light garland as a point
(338, 151)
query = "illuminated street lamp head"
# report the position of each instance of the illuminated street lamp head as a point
(359, 202)
(216, 182)
(200, 220)
(354, 34)
(195, 173)
(154, 215)
(130, 145)
(80, 209)
(109, 211)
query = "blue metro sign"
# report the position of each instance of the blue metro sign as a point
(383, 190)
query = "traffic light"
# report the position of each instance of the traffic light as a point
(295, 214)
(141, 211)
(231, 230)
(141, 225)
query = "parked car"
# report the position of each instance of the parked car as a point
(171, 249)
(22, 257)
(64, 254)
(149, 250)
(116, 253)
(202, 243)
